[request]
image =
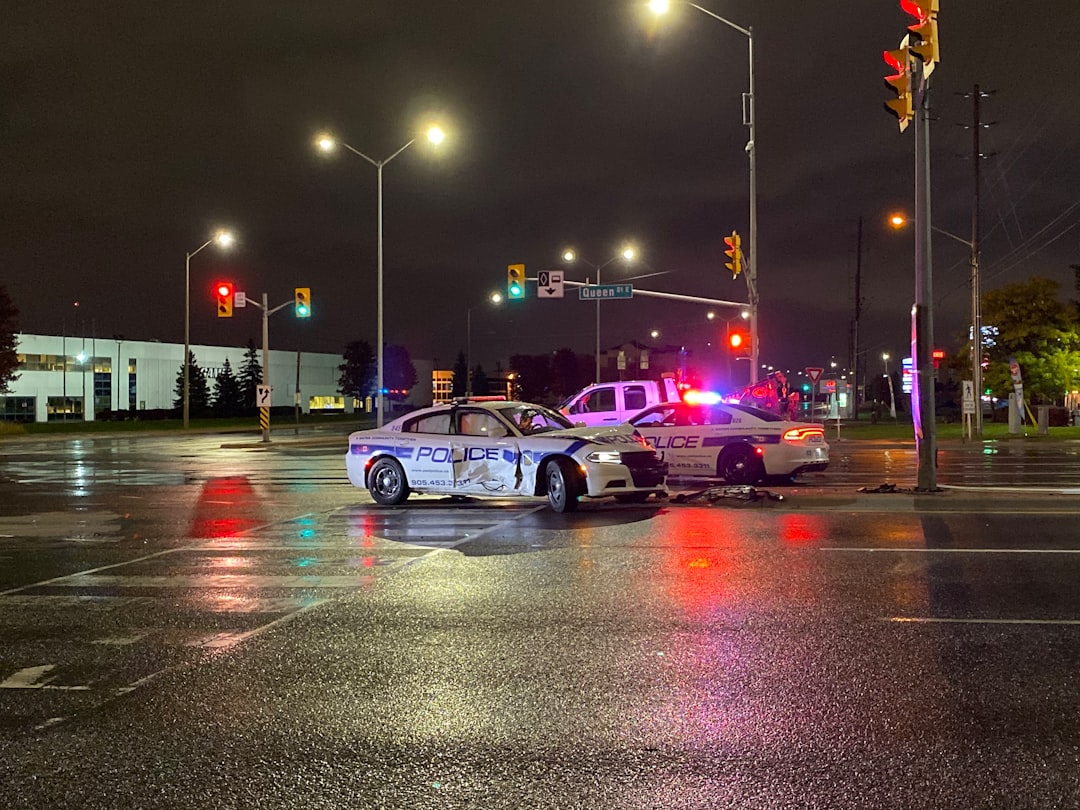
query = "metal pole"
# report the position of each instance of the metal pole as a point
(751, 149)
(266, 359)
(976, 303)
(468, 351)
(187, 338)
(379, 336)
(598, 327)
(923, 311)
(858, 315)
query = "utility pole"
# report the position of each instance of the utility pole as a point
(855, 329)
(976, 292)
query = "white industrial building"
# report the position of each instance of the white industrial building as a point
(58, 374)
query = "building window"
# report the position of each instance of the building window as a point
(17, 409)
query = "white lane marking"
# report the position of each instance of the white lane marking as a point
(936, 620)
(214, 581)
(32, 678)
(957, 550)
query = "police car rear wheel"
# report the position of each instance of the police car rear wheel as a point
(562, 486)
(739, 465)
(386, 483)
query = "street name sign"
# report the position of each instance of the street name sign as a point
(597, 292)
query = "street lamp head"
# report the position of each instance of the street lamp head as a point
(436, 134)
(654, 334)
(569, 256)
(629, 253)
(659, 6)
(224, 238)
(326, 142)
(897, 220)
(745, 314)
(496, 298)
(710, 315)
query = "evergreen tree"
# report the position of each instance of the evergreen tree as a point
(198, 389)
(461, 374)
(9, 361)
(399, 373)
(228, 395)
(357, 378)
(481, 386)
(250, 377)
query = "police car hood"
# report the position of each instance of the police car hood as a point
(601, 434)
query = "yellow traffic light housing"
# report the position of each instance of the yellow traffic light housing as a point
(900, 83)
(925, 33)
(302, 302)
(734, 254)
(224, 292)
(515, 281)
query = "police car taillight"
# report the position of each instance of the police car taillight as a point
(799, 434)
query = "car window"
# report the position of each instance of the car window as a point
(716, 416)
(531, 419)
(480, 423)
(601, 400)
(666, 415)
(634, 397)
(431, 423)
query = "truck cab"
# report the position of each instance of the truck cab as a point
(615, 402)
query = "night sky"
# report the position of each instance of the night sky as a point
(131, 130)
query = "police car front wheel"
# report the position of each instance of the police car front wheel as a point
(562, 486)
(387, 484)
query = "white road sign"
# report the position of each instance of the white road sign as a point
(262, 396)
(549, 284)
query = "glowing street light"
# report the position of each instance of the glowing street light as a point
(328, 144)
(224, 239)
(628, 253)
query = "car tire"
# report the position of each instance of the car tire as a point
(738, 465)
(387, 484)
(563, 486)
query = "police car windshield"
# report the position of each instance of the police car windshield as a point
(764, 416)
(532, 419)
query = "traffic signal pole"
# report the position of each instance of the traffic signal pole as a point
(264, 411)
(922, 312)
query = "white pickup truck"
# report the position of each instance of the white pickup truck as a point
(615, 402)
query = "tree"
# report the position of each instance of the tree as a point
(399, 373)
(569, 373)
(9, 360)
(357, 380)
(250, 377)
(480, 385)
(1031, 326)
(535, 377)
(461, 374)
(198, 390)
(228, 395)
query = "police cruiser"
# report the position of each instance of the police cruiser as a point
(489, 446)
(701, 436)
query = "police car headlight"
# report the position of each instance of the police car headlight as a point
(605, 457)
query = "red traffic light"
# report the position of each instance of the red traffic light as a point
(735, 340)
(224, 288)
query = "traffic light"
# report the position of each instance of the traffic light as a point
(515, 281)
(738, 341)
(901, 106)
(302, 302)
(734, 253)
(224, 291)
(925, 32)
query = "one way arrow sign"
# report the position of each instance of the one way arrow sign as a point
(549, 284)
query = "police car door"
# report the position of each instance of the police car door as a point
(484, 455)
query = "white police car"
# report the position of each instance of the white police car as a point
(489, 446)
(738, 443)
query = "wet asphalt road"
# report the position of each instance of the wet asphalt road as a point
(183, 625)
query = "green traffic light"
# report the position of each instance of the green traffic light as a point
(516, 291)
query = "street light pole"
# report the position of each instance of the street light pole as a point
(659, 7)
(628, 254)
(223, 239)
(327, 143)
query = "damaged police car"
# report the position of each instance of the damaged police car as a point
(491, 447)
